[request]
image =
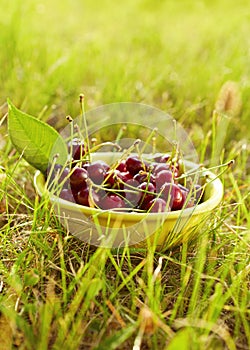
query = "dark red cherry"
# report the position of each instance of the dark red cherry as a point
(97, 171)
(122, 166)
(172, 194)
(143, 176)
(134, 165)
(78, 178)
(76, 148)
(82, 197)
(147, 195)
(58, 176)
(164, 158)
(131, 194)
(162, 178)
(116, 179)
(67, 195)
(157, 205)
(160, 167)
(184, 198)
(177, 198)
(112, 201)
(175, 170)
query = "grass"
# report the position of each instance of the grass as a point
(58, 292)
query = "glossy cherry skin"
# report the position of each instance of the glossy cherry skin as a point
(122, 166)
(97, 171)
(131, 193)
(157, 205)
(67, 195)
(172, 194)
(116, 179)
(134, 165)
(78, 178)
(87, 198)
(159, 167)
(112, 201)
(76, 148)
(146, 196)
(58, 175)
(163, 177)
(144, 176)
(82, 197)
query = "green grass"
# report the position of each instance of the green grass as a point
(58, 292)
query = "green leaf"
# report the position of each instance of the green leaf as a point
(37, 141)
(182, 340)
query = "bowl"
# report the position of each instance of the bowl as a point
(109, 228)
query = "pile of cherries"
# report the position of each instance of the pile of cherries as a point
(131, 184)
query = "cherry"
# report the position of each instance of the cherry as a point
(134, 183)
(157, 205)
(146, 196)
(159, 167)
(131, 193)
(143, 176)
(97, 171)
(67, 195)
(122, 166)
(163, 177)
(76, 149)
(82, 197)
(175, 170)
(58, 174)
(112, 201)
(165, 158)
(134, 165)
(177, 197)
(78, 178)
(184, 192)
(116, 178)
(172, 194)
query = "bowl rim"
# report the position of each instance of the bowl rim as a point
(207, 206)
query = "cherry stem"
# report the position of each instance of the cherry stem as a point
(96, 147)
(81, 97)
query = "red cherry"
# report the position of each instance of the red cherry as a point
(67, 195)
(144, 177)
(165, 158)
(116, 178)
(163, 177)
(145, 196)
(78, 178)
(157, 205)
(111, 201)
(172, 194)
(97, 171)
(82, 197)
(134, 165)
(122, 166)
(76, 148)
(160, 167)
(131, 193)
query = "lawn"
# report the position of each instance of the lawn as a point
(186, 58)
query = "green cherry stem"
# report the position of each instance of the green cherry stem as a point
(81, 98)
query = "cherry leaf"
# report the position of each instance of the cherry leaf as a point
(37, 141)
